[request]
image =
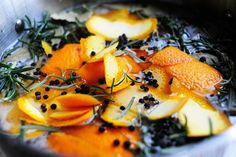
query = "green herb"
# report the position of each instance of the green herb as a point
(132, 54)
(40, 127)
(12, 79)
(24, 128)
(123, 113)
(22, 132)
(60, 86)
(210, 126)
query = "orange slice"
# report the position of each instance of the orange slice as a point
(81, 141)
(92, 43)
(170, 56)
(162, 78)
(114, 71)
(100, 55)
(91, 72)
(31, 108)
(196, 75)
(109, 26)
(66, 58)
(71, 122)
(75, 101)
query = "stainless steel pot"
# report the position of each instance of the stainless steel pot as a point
(10, 10)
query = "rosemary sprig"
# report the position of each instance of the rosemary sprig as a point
(24, 128)
(12, 79)
(61, 86)
(123, 113)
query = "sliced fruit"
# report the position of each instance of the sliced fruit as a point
(196, 75)
(113, 114)
(71, 122)
(34, 134)
(81, 141)
(93, 43)
(65, 115)
(178, 89)
(31, 108)
(200, 121)
(119, 14)
(132, 66)
(47, 48)
(114, 71)
(75, 101)
(164, 109)
(100, 55)
(109, 27)
(170, 56)
(66, 58)
(13, 118)
(92, 72)
(143, 54)
(161, 76)
(30, 120)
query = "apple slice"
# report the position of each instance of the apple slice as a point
(201, 121)
(93, 43)
(31, 108)
(100, 55)
(164, 109)
(110, 28)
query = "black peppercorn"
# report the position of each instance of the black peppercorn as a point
(49, 55)
(37, 93)
(116, 142)
(53, 106)
(77, 90)
(63, 93)
(132, 83)
(47, 89)
(127, 144)
(131, 128)
(19, 26)
(93, 53)
(202, 59)
(122, 108)
(45, 97)
(101, 129)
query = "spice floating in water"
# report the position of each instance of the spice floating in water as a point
(19, 26)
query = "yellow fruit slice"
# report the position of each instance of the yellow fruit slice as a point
(93, 43)
(75, 101)
(31, 108)
(100, 55)
(165, 109)
(115, 71)
(47, 48)
(119, 14)
(71, 122)
(110, 28)
(113, 115)
(201, 121)
(67, 114)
